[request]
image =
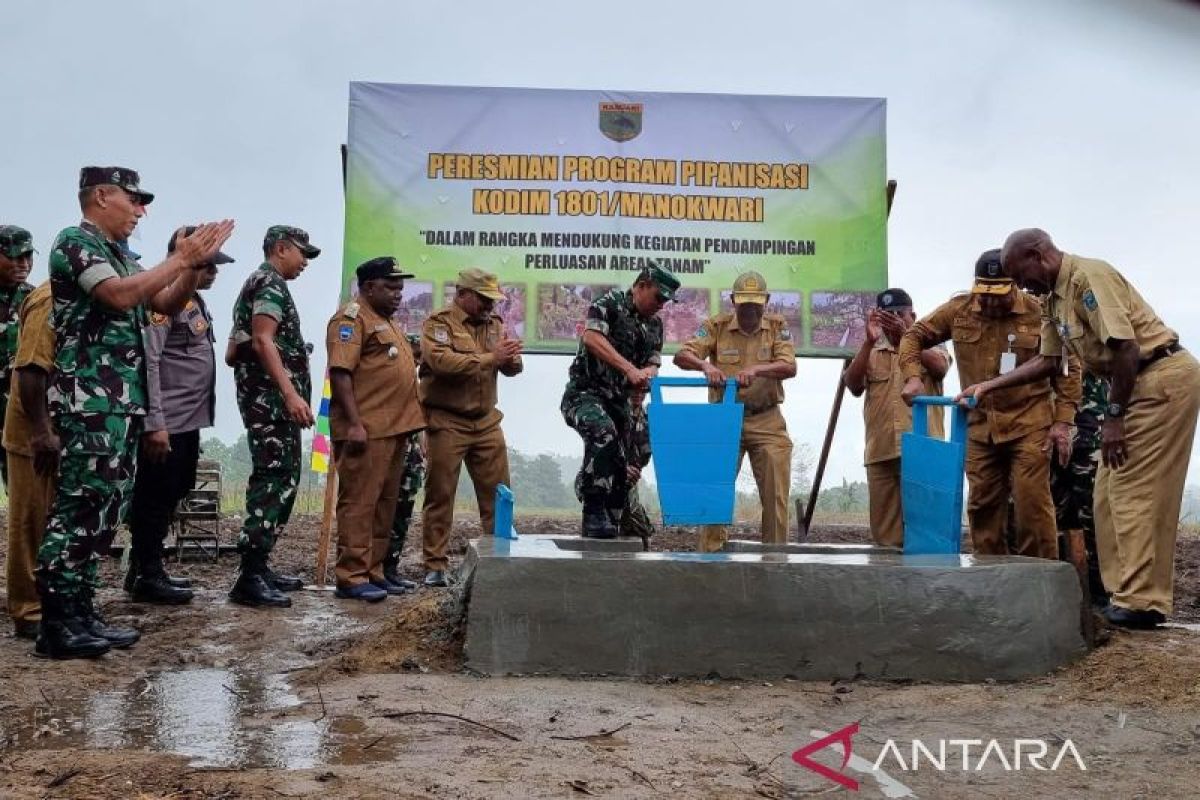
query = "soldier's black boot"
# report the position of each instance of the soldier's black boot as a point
(391, 574)
(63, 634)
(596, 523)
(120, 638)
(284, 583)
(153, 585)
(252, 588)
(131, 576)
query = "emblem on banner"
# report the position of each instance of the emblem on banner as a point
(620, 121)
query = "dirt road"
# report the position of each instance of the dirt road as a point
(339, 699)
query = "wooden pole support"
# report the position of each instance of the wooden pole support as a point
(1077, 555)
(326, 523)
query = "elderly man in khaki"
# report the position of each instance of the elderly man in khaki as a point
(1094, 313)
(875, 370)
(755, 348)
(463, 348)
(1011, 434)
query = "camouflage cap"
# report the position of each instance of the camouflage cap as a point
(750, 287)
(15, 241)
(219, 258)
(891, 299)
(662, 277)
(989, 277)
(297, 236)
(124, 177)
(480, 282)
(381, 267)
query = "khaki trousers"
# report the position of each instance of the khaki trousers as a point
(1137, 506)
(883, 490)
(368, 485)
(1019, 468)
(765, 439)
(451, 441)
(29, 499)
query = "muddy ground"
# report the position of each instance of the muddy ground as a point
(339, 699)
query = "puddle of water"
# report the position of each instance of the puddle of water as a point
(214, 717)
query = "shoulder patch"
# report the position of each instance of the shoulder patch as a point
(441, 334)
(1089, 300)
(351, 310)
(701, 332)
(785, 333)
(345, 332)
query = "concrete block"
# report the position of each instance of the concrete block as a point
(569, 606)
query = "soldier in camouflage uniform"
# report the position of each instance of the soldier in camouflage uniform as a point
(274, 388)
(1071, 485)
(619, 352)
(97, 395)
(410, 484)
(16, 259)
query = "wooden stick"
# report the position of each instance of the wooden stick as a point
(1077, 555)
(497, 731)
(326, 522)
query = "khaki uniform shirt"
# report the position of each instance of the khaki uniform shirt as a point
(979, 342)
(885, 413)
(383, 374)
(1092, 303)
(458, 369)
(35, 348)
(732, 350)
(181, 373)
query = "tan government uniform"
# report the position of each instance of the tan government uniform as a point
(1006, 433)
(458, 390)
(764, 433)
(886, 417)
(1136, 506)
(383, 373)
(29, 494)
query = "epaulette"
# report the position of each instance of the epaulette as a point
(351, 310)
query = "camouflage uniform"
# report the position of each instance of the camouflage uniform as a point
(11, 298)
(1072, 485)
(596, 400)
(97, 397)
(273, 437)
(410, 483)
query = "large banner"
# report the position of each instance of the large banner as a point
(565, 194)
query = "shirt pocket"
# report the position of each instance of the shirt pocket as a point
(966, 332)
(729, 355)
(462, 343)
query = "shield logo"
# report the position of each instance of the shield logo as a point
(620, 121)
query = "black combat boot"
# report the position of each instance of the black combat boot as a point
(284, 583)
(63, 634)
(120, 638)
(596, 523)
(391, 573)
(153, 585)
(252, 588)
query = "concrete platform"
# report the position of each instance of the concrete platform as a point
(568, 606)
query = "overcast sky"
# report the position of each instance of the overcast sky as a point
(1079, 117)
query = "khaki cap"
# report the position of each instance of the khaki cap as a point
(750, 287)
(480, 282)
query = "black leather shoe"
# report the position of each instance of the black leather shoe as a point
(25, 629)
(178, 583)
(120, 638)
(252, 589)
(131, 575)
(284, 583)
(394, 588)
(159, 590)
(436, 577)
(597, 525)
(391, 574)
(1130, 618)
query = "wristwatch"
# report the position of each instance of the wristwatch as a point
(1114, 410)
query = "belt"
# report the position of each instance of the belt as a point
(1166, 351)
(748, 413)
